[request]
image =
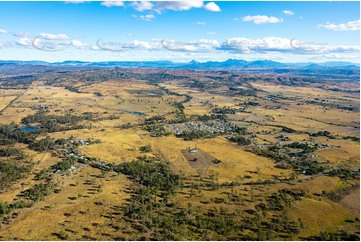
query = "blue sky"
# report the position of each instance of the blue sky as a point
(180, 31)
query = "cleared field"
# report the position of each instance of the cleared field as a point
(199, 160)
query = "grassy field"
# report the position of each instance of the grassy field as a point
(89, 199)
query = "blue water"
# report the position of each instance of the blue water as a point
(137, 113)
(28, 128)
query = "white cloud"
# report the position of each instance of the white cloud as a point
(3, 31)
(202, 45)
(24, 42)
(262, 19)
(147, 17)
(53, 36)
(288, 12)
(213, 7)
(349, 26)
(178, 5)
(20, 34)
(136, 44)
(200, 23)
(340, 57)
(160, 6)
(112, 4)
(77, 43)
(211, 33)
(279, 44)
(142, 5)
(130, 45)
(94, 47)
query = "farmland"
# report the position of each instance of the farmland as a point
(141, 154)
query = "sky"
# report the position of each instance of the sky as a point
(180, 31)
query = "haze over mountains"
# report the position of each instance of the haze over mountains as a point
(338, 71)
(230, 64)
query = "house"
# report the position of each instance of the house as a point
(191, 150)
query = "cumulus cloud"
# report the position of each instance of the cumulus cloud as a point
(202, 45)
(142, 5)
(211, 33)
(279, 44)
(161, 6)
(24, 42)
(262, 19)
(57, 45)
(112, 4)
(53, 36)
(178, 5)
(271, 45)
(3, 31)
(288, 12)
(147, 17)
(213, 7)
(78, 43)
(349, 26)
(136, 44)
(339, 57)
(200, 23)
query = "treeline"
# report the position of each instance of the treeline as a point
(43, 118)
(43, 144)
(9, 135)
(39, 191)
(307, 148)
(11, 171)
(224, 110)
(152, 174)
(344, 173)
(64, 165)
(56, 123)
(156, 130)
(9, 151)
(335, 236)
(240, 140)
(153, 214)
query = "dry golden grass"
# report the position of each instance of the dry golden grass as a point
(352, 200)
(80, 190)
(340, 151)
(235, 162)
(319, 214)
(73, 209)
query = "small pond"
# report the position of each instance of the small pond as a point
(28, 128)
(137, 113)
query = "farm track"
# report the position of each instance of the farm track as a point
(11, 103)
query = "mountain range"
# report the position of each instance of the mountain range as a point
(230, 64)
